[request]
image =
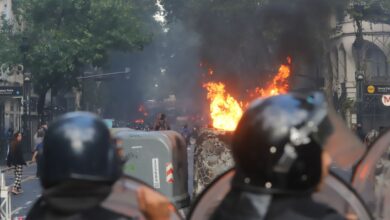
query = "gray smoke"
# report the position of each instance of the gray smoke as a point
(169, 65)
(244, 42)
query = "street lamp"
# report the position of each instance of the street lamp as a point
(24, 47)
(359, 95)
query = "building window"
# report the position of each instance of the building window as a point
(376, 63)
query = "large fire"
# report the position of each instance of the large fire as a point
(226, 111)
(279, 84)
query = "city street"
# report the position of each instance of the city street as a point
(30, 184)
(281, 109)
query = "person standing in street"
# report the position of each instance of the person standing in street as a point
(10, 133)
(161, 123)
(15, 159)
(186, 133)
(38, 137)
(38, 147)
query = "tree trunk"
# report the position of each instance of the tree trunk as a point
(358, 44)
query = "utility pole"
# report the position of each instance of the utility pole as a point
(359, 74)
(24, 47)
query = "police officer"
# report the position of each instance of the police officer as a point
(280, 160)
(79, 165)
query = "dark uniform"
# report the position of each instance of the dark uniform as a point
(79, 165)
(161, 123)
(277, 147)
(248, 205)
(79, 210)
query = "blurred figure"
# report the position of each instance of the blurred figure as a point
(186, 133)
(38, 137)
(161, 123)
(280, 160)
(360, 132)
(195, 132)
(79, 165)
(38, 148)
(8, 136)
(15, 159)
(44, 126)
(371, 137)
(10, 133)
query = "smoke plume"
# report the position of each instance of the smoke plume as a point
(243, 42)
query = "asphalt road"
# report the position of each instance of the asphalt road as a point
(22, 203)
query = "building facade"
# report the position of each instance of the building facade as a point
(6, 9)
(343, 69)
(17, 99)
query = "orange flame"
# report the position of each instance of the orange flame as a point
(211, 71)
(142, 110)
(279, 83)
(224, 109)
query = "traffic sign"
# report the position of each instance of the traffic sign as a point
(371, 89)
(11, 91)
(386, 100)
(378, 89)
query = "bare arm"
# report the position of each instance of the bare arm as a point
(153, 205)
(34, 157)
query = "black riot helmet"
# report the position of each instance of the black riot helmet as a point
(78, 147)
(279, 140)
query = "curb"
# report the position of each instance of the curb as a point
(11, 168)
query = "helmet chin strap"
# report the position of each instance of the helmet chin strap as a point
(286, 161)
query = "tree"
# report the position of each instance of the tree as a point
(67, 36)
(9, 52)
(377, 11)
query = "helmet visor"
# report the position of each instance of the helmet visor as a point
(339, 141)
(332, 134)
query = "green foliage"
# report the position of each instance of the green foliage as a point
(348, 105)
(65, 36)
(370, 10)
(9, 49)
